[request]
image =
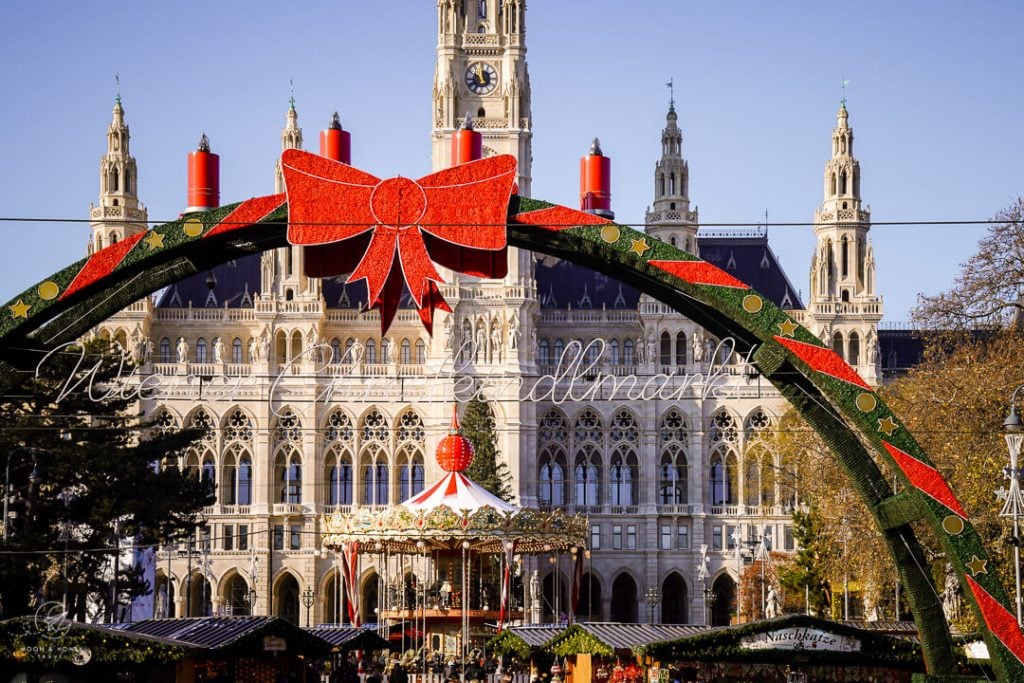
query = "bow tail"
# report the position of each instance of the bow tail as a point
(421, 276)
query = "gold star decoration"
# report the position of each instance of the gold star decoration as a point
(788, 328)
(887, 426)
(155, 240)
(19, 309)
(639, 246)
(977, 565)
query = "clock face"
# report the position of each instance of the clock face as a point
(481, 78)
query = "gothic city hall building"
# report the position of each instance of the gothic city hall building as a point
(309, 410)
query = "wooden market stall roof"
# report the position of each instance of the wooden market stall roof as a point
(349, 637)
(613, 635)
(222, 635)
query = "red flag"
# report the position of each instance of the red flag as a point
(506, 584)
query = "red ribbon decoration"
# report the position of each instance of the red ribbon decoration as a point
(390, 232)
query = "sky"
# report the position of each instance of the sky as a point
(934, 97)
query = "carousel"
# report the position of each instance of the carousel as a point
(450, 560)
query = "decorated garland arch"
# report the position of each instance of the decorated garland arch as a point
(392, 232)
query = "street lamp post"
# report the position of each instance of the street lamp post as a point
(33, 479)
(308, 597)
(1014, 499)
(652, 597)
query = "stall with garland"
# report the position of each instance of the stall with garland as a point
(446, 559)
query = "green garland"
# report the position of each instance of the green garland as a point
(509, 644)
(575, 640)
(21, 640)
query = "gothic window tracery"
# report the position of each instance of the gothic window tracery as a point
(587, 475)
(374, 428)
(238, 426)
(410, 428)
(587, 427)
(375, 475)
(410, 472)
(551, 489)
(624, 476)
(673, 466)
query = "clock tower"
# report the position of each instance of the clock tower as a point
(481, 72)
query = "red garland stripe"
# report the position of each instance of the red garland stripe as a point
(1000, 620)
(700, 273)
(558, 218)
(824, 360)
(102, 263)
(926, 478)
(248, 212)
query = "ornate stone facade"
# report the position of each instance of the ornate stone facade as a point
(655, 433)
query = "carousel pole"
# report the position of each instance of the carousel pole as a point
(464, 601)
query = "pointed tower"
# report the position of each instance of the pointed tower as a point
(120, 214)
(672, 220)
(283, 269)
(481, 72)
(843, 303)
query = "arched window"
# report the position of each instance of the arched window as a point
(288, 467)
(339, 479)
(613, 347)
(723, 480)
(666, 349)
(558, 350)
(200, 350)
(245, 481)
(628, 357)
(350, 351)
(587, 475)
(371, 352)
(335, 351)
(421, 352)
(680, 349)
(854, 352)
(624, 477)
(842, 182)
(543, 352)
(165, 350)
(410, 473)
(844, 255)
(209, 470)
(671, 183)
(406, 354)
(837, 344)
(588, 427)
(675, 599)
(673, 436)
(236, 351)
(624, 599)
(551, 478)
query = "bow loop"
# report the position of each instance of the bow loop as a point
(390, 232)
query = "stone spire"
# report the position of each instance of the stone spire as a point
(291, 138)
(843, 305)
(120, 214)
(672, 220)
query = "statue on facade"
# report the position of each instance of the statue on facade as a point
(449, 332)
(640, 355)
(496, 346)
(513, 331)
(218, 350)
(253, 354)
(265, 344)
(147, 351)
(698, 348)
(182, 350)
(535, 595)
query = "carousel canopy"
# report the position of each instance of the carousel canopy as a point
(457, 492)
(453, 511)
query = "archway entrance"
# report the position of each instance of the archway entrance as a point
(860, 430)
(287, 599)
(674, 600)
(237, 598)
(554, 601)
(200, 597)
(589, 606)
(723, 600)
(624, 601)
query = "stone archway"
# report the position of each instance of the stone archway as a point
(286, 598)
(857, 426)
(624, 599)
(675, 600)
(723, 600)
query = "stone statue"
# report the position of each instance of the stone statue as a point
(218, 350)
(652, 350)
(449, 332)
(147, 353)
(709, 350)
(495, 343)
(950, 595)
(265, 345)
(698, 348)
(253, 354)
(640, 355)
(182, 350)
(481, 344)
(772, 607)
(535, 596)
(513, 332)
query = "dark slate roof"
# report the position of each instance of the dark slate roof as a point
(562, 284)
(746, 255)
(618, 636)
(238, 281)
(899, 349)
(536, 635)
(350, 636)
(218, 633)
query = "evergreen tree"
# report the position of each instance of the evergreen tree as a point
(806, 576)
(85, 470)
(487, 468)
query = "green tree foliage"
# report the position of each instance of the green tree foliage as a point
(97, 465)
(488, 469)
(807, 575)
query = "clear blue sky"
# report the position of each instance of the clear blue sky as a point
(935, 97)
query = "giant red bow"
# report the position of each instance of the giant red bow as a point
(351, 222)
